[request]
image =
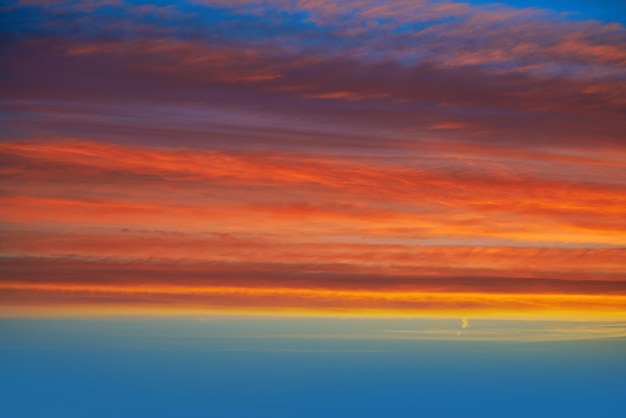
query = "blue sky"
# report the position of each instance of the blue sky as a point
(195, 369)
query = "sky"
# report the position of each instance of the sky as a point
(420, 157)
(258, 368)
(304, 172)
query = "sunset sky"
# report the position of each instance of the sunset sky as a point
(313, 161)
(313, 156)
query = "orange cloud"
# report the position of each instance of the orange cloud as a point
(173, 299)
(402, 264)
(259, 192)
(404, 157)
(88, 222)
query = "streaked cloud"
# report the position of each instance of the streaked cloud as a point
(423, 157)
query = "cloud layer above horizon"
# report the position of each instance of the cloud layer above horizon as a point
(377, 157)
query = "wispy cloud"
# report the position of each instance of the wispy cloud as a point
(473, 153)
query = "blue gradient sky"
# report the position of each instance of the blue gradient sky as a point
(239, 368)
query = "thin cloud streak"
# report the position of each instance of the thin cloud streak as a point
(518, 306)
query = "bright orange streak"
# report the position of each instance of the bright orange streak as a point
(312, 301)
